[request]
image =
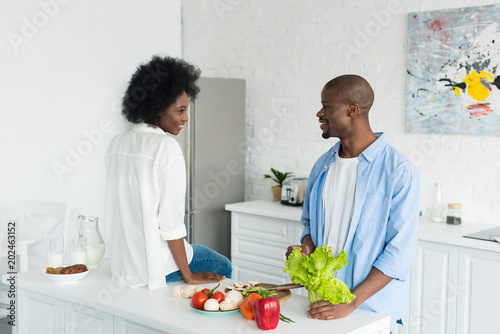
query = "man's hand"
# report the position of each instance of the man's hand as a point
(373, 283)
(326, 311)
(307, 247)
(203, 277)
(306, 250)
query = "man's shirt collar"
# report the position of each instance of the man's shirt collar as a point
(370, 152)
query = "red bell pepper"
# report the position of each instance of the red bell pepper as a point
(266, 312)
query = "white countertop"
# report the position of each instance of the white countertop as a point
(428, 231)
(454, 234)
(268, 209)
(160, 310)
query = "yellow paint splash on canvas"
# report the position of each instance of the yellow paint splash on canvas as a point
(475, 87)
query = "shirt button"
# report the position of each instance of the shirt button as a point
(325, 167)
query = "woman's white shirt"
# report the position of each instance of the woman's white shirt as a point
(145, 198)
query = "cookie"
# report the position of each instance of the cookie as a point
(54, 271)
(74, 269)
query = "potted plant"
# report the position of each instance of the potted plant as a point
(279, 178)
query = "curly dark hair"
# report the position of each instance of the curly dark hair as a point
(156, 85)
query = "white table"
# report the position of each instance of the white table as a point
(94, 303)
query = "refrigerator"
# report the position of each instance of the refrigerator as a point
(214, 142)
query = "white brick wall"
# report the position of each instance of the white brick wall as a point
(288, 49)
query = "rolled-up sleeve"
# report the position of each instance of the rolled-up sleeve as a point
(305, 219)
(171, 209)
(402, 228)
(310, 202)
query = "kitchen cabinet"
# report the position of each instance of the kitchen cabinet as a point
(123, 326)
(433, 288)
(477, 290)
(41, 314)
(46, 314)
(454, 281)
(95, 305)
(261, 231)
(82, 319)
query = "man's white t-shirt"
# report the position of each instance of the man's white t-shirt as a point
(145, 199)
(338, 201)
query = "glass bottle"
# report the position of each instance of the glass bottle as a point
(437, 209)
(454, 214)
(88, 229)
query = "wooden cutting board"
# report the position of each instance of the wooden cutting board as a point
(283, 290)
(283, 295)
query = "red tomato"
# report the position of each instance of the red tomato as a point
(219, 296)
(198, 300)
(205, 291)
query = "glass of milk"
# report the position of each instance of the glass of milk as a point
(78, 252)
(55, 251)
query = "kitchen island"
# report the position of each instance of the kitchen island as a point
(95, 305)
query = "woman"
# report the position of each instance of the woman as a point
(146, 184)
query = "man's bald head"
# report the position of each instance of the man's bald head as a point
(353, 89)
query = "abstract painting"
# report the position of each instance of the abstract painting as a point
(453, 74)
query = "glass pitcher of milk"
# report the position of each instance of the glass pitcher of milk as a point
(88, 233)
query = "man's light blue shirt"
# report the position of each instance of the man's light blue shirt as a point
(383, 230)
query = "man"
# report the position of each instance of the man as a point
(363, 197)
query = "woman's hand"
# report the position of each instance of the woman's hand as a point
(179, 254)
(203, 277)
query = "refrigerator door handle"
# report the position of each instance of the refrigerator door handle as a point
(190, 180)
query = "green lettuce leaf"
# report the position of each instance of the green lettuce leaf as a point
(340, 261)
(335, 291)
(298, 273)
(316, 273)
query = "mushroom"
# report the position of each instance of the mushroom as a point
(177, 291)
(228, 305)
(211, 305)
(189, 291)
(234, 297)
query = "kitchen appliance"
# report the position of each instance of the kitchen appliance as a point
(491, 234)
(213, 142)
(293, 191)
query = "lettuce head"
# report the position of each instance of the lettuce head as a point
(316, 273)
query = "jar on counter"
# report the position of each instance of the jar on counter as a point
(453, 214)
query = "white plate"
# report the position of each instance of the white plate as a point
(216, 313)
(68, 278)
